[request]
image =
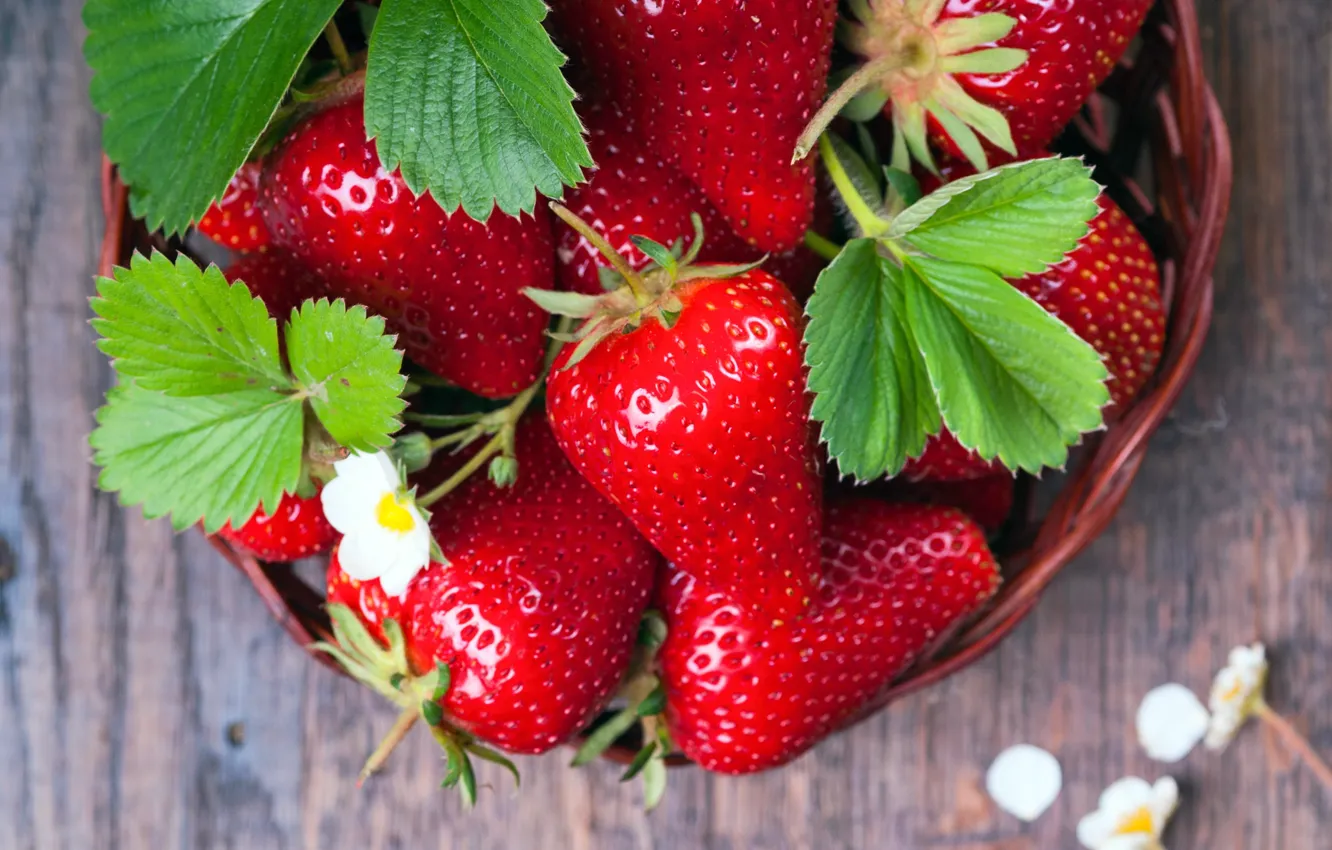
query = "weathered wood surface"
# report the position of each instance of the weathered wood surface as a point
(127, 654)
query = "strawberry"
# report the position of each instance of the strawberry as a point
(448, 286)
(234, 221)
(725, 87)
(297, 529)
(685, 404)
(945, 459)
(276, 279)
(534, 610)
(1010, 72)
(743, 695)
(988, 500)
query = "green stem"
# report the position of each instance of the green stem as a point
(821, 245)
(862, 79)
(867, 219)
(473, 464)
(406, 720)
(338, 48)
(450, 439)
(635, 280)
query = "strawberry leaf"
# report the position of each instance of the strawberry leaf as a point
(210, 458)
(872, 393)
(349, 370)
(1015, 220)
(477, 112)
(185, 332)
(187, 87)
(1012, 381)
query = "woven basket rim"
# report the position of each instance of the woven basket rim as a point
(1194, 170)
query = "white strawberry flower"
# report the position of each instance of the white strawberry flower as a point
(1170, 722)
(1237, 694)
(1131, 815)
(384, 533)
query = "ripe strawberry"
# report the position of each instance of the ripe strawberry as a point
(536, 608)
(275, 278)
(743, 695)
(988, 500)
(448, 286)
(234, 221)
(725, 87)
(1013, 71)
(696, 425)
(945, 459)
(297, 529)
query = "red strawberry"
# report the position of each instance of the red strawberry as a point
(700, 431)
(945, 459)
(535, 612)
(448, 286)
(275, 278)
(744, 695)
(725, 87)
(988, 500)
(1011, 72)
(234, 222)
(297, 529)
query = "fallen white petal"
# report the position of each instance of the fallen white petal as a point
(1024, 781)
(1171, 722)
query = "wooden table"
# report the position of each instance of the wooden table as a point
(147, 701)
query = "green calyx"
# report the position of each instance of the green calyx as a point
(911, 59)
(634, 296)
(645, 699)
(385, 670)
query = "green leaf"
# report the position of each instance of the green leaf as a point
(210, 458)
(187, 87)
(496, 757)
(1012, 381)
(604, 735)
(185, 332)
(640, 760)
(872, 393)
(1015, 220)
(466, 97)
(654, 782)
(350, 371)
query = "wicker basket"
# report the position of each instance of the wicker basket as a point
(1159, 102)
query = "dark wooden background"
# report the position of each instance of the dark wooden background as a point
(146, 700)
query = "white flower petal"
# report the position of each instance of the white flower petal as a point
(374, 470)
(1024, 781)
(360, 556)
(1165, 799)
(1171, 721)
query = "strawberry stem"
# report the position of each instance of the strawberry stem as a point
(620, 264)
(821, 245)
(862, 79)
(473, 464)
(869, 221)
(406, 720)
(1297, 742)
(338, 47)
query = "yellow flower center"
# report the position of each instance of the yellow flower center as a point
(1137, 823)
(1233, 691)
(392, 515)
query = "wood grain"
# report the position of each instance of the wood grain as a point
(146, 701)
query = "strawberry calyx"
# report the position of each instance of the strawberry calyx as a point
(386, 670)
(642, 295)
(645, 698)
(911, 59)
